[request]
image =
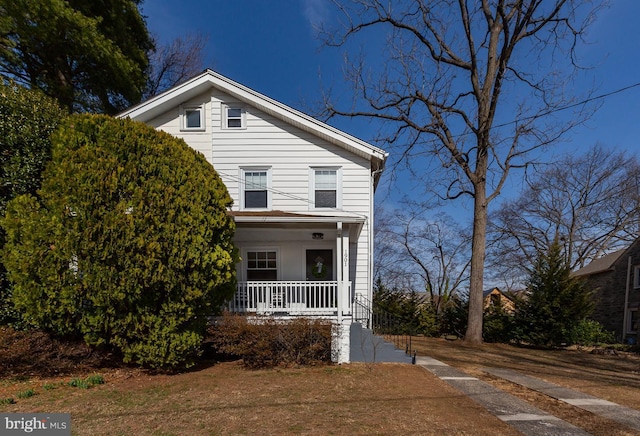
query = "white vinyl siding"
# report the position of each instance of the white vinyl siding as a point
(172, 121)
(289, 153)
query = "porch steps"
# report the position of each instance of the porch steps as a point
(370, 348)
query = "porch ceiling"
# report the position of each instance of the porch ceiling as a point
(278, 216)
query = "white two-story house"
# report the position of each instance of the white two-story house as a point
(303, 198)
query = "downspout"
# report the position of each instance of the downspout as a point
(625, 317)
(370, 243)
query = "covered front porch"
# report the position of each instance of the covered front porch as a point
(308, 265)
(296, 264)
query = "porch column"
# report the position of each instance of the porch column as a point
(342, 337)
(342, 270)
(345, 294)
(339, 268)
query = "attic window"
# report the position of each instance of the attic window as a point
(234, 117)
(192, 118)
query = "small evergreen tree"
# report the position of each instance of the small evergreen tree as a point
(395, 311)
(27, 118)
(497, 325)
(129, 245)
(556, 301)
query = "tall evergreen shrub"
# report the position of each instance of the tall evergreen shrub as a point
(129, 245)
(27, 119)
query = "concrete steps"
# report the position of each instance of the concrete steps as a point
(370, 348)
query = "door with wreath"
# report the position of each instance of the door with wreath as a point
(319, 268)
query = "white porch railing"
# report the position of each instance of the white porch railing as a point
(288, 298)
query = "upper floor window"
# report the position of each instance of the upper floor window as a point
(234, 117)
(325, 187)
(192, 118)
(636, 276)
(256, 183)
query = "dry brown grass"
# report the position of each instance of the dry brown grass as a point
(228, 399)
(225, 398)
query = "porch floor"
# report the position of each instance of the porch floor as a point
(370, 348)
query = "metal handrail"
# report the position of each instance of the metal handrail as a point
(393, 327)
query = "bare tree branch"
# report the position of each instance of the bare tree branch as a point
(175, 62)
(450, 74)
(590, 202)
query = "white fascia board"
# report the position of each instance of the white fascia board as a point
(173, 97)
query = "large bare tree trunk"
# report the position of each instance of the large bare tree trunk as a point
(476, 285)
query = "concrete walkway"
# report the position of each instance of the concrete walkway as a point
(607, 409)
(524, 417)
(529, 420)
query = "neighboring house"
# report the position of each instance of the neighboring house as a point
(303, 198)
(615, 278)
(496, 298)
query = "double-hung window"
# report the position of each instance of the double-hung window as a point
(234, 117)
(262, 265)
(636, 277)
(325, 188)
(256, 182)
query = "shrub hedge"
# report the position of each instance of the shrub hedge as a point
(267, 342)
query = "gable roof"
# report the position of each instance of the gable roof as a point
(209, 79)
(488, 292)
(605, 263)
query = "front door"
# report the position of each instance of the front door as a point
(319, 265)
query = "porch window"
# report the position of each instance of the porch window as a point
(325, 187)
(256, 188)
(262, 265)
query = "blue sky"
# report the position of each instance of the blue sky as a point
(270, 46)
